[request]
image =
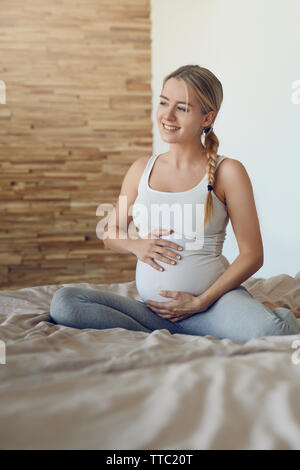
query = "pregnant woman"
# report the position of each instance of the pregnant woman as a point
(181, 202)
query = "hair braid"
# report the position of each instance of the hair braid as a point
(211, 143)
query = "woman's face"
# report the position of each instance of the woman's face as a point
(173, 111)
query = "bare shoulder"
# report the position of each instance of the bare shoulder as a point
(129, 189)
(228, 162)
(231, 170)
(232, 179)
(139, 166)
(133, 175)
(142, 162)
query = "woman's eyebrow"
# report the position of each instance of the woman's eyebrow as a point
(161, 96)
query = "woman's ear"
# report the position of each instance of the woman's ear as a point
(209, 119)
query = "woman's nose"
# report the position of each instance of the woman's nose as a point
(169, 114)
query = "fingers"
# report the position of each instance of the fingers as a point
(163, 258)
(159, 252)
(165, 255)
(170, 313)
(159, 307)
(163, 313)
(166, 314)
(152, 263)
(158, 232)
(166, 252)
(155, 265)
(173, 245)
(156, 255)
(162, 310)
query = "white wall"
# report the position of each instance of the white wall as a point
(253, 47)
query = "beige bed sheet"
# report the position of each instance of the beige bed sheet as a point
(64, 388)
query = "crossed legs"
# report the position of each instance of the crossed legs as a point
(235, 315)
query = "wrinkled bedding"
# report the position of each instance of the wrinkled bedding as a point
(64, 388)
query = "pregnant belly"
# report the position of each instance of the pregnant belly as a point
(194, 273)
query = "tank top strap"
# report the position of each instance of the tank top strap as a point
(219, 160)
(143, 184)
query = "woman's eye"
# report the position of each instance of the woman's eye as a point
(179, 107)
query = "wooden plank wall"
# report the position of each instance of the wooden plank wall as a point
(77, 114)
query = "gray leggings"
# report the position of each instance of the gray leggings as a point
(235, 315)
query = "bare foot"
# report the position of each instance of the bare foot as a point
(271, 306)
(295, 312)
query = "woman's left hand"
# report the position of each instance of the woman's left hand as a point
(182, 306)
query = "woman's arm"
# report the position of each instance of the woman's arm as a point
(117, 236)
(243, 215)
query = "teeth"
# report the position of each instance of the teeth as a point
(170, 128)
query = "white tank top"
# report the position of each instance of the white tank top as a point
(201, 260)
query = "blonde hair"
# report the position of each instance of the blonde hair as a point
(209, 92)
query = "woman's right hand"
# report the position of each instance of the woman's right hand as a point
(146, 249)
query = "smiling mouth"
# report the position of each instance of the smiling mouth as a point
(171, 129)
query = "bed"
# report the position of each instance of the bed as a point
(64, 388)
